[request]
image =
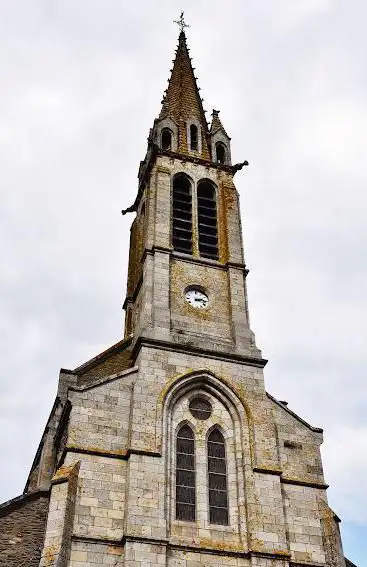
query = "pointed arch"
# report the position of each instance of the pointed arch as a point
(217, 478)
(233, 420)
(231, 398)
(194, 137)
(220, 152)
(185, 474)
(182, 383)
(166, 139)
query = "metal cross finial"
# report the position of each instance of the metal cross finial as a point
(181, 23)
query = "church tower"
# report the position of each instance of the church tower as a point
(166, 449)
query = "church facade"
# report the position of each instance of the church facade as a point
(166, 449)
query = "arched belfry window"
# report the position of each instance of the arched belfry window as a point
(185, 475)
(220, 151)
(207, 220)
(166, 139)
(217, 478)
(194, 138)
(182, 214)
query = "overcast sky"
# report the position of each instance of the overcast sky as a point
(81, 82)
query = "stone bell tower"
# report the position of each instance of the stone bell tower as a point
(166, 449)
(187, 277)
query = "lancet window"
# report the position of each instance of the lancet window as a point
(185, 475)
(217, 479)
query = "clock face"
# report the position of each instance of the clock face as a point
(197, 298)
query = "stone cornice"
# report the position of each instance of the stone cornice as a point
(189, 349)
(239, 552)
(123, 454)
(297, 417)
(306, 483)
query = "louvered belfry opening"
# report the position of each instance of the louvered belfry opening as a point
(182, 214)
(207, 220)
(185, 475)
(217, 474)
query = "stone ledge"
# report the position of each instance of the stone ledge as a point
(299, 482)
(264, 470)
(123, 454)
(218, 355)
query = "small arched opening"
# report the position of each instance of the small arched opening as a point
(166, 139)
(220, 151)
(194, 138)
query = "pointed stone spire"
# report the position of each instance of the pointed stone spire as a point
(182, 102)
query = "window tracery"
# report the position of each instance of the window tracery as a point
(215, 499)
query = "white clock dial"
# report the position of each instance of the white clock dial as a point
(197, 298)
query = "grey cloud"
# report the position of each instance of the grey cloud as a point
(81, 84)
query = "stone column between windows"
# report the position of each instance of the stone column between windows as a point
(162, 219)
(145, 317)
(202, 504)
(161, 308)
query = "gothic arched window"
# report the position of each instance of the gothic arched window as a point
(185, 475)
(220, 151)
(207, 220)
(182, 214)
(217, 477)
(194, 138)
(166, 139)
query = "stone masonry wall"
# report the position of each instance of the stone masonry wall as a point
(304, 523)
(99, 419)
(122, 436)
(299, 448)
(214, 321)
(100, 501)
(22, 528)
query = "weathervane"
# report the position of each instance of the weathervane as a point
(181, 23)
